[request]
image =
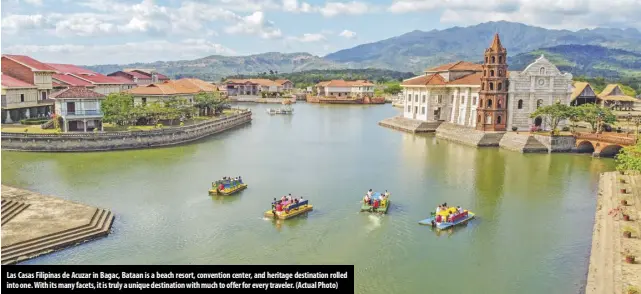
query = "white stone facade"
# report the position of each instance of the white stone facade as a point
(437, 103)
(540, 84)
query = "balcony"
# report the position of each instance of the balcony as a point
(82, 113)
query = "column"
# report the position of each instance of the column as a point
(84, 124)
(454, 108)
(65, 125)
(102, 126)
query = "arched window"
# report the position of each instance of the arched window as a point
(493, 59)
(491, 73)
(478, 119)
(488, 119)
(491, 86)
(539, 103)
(483, 86)
(485, 62)
(520, 104)
(500, 73)
(500, 59)
(542, 70)
(489, 103)
(500, 86)
(485, 73)
(498, 120)
(498, 103)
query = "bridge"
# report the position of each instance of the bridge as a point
(604, 144)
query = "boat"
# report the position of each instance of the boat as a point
(456, 220)
(381, 207)
(229, 187)
(290, 210)
(280, 111)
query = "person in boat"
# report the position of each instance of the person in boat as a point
(369, 193)
(366, 199)
(295, 200)
(438, 218)
(386, 194)
(289, 197)
(274, 203)
(221, 187)
(438, 209)
(284, 198)
(459, 209)
(240, 180)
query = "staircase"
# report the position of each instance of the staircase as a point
(47, 125)
(10, 209)
(99, 226)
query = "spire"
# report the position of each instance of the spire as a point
(496, 43)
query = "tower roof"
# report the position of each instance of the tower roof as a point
(496, 44)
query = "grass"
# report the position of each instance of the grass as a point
(33, 129)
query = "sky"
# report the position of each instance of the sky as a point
(89, 32)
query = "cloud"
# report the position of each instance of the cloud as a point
(348, 34)
(122, 53)
(34, 2)
(294, 6)
(336, 8)
(310, 38)
(255, 24)
(567, 14)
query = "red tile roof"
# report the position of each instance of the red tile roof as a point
(148, 74)
(437, 80)
(11, 82)
(123, 80)
(177, 87)
(456, 66)
(77, 93)
(139, 75)
(29, 62)
(71, 80)
(344, 84)
(85, 74)
(471, 79)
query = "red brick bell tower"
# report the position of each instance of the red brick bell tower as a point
(492, 108)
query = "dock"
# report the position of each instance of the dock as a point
(608, 272)
(34, 224)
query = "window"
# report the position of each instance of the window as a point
(416, 98)
(542, 71)
(452, 99)
(462, 99)
(423, 110)
(474, 100)
(491, 86)
(498, 103)
(488, 119)
(439, 99)
(500, 86)
(409, 108)
(492, 73)
(21, 97)
(144, 101)
(409, 98)
(424, 98)
(493, 59)
(415, 109)
(520, 104)
(44, 96)
(489, 103)
(500, 72)
(483, 86)
(498, 120)
(500, 59)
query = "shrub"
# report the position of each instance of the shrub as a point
(514, 129)
(565, 129)
(159, 126)
(33, 121)
(182, 124)
(58, 131)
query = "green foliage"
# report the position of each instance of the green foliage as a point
(33, 121)
(554, 114)
(117, 107)
(210, 103)
(629, 158)
(393, 88)
(310, 78)
(58, 131)
(593, 114)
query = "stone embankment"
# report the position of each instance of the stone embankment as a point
(35, 224)
(608, 271)
(468, 135)
(409, 125)
(522, 143)
(81, 142)
(257, 99)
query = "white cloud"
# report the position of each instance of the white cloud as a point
(255, 24)
(294, 6)
(122, 53)
(336, 8)
(34, 2)
(347, 34)
(310, 38)
(567, 14)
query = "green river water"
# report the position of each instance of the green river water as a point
(534, 211)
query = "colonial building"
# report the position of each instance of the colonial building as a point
(140, 77)
(341, 88)
(185, 89)
(254, 87)
(539, 84)
(285, 85)
(485, 96)
(70, 75)
(26, 87)
(79, 109)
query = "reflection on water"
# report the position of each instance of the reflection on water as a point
(531, 234)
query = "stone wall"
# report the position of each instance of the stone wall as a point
(409, 125)
(522, 143)
(557, 143)
(259, 99)
(468, 135)
(80, 142)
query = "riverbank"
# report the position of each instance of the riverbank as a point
(34, 224)
(256, 99)
(608, 272)
(106, 141)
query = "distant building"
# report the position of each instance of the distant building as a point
(140, 77)
(583, 93)
(79, 108)
(174, 89)
(26, 87)
(613, 97)
(69, 75)
(285, 85)
(342, 88)
(254, 87)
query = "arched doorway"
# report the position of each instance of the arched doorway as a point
(538, 121)
(610, 151)
(585, 147)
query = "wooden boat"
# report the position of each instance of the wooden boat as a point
(280, 111)
(291, 210)
(383, 207)
(457, 220)
(230, 187)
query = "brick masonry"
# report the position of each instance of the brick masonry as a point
(82, 142)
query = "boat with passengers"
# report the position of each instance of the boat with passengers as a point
(445, 217)
(288, 207)
(227, 186)
(376, 202)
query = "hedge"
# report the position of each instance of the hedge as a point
(33, 121)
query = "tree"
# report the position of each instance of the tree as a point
(553, 114)
(208, 102)
(629, 158)
(595, 115)
(393, 89)
(117, 107)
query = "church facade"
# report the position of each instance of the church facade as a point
(486, 96)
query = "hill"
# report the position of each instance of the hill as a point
(417, 50)
(311, 77)
(215, 67)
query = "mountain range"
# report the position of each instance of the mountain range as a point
(590, 52)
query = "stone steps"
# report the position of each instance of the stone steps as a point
(99, 226)
(10, 209)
